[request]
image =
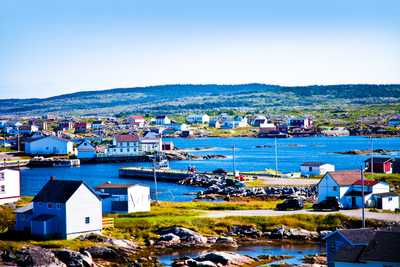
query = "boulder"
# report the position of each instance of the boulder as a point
(225, 258)
(74, 259)
(226, 242)
(168, 240)
(103, 252)
(186, 236)
(33, 256)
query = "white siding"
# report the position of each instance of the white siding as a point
(138, 198)
(9, 186)
(83, 203)
(390, 203)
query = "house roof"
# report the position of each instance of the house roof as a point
(161, 117)
(345, 177)
(136, 117)
(349, 254)
(126, 138)
(110, 185)
(58, 191)
(387, 194)
(313, 164)
(358, 236)
(378, 160)
(384, 247)
(26, 208)
(366, 182)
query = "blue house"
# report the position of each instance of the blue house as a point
(62, 209)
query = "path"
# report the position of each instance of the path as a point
(351, 213)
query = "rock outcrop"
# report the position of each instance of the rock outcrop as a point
(180, 237)
(74, 259)
(213, 259)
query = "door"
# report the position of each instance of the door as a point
(379, 203)
(353, 202)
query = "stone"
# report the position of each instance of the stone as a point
(205, 264)
(35, 257)
(225, 258)
(226, 242)
(103, 252)
(74, 259)
(186, 236)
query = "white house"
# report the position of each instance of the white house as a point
(85, 150)
(49, 145)
(346, 187)
(9, 186)
(198, 118)
(179, 127)
(28, 129)
(308, 169)
(162, 120)
(124, 145)
(124, 197)
(62, 209)
(137, 120)
(386, 200)
(150, 144)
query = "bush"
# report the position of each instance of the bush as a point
(7, 218)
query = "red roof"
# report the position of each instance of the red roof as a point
(140, 117)
(366, 182)
(126, 138)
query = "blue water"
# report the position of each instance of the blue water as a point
(291, 153)
(296, 251)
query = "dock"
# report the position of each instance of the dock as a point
(148, 173)
(53, 162)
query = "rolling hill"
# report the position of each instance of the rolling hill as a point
(187, 98)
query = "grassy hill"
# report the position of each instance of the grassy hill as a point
(188, 98)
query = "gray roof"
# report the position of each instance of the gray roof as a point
(58, 191)
(384, 247)
(387, 194)
(24, 209)
(349, 254)
(355, 236)
(313, 164)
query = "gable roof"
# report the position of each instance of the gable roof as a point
(126, 138)
(366, 182)
(387, 194)
(349, 254)
(379, 160)
(58, 191)
(384, 247)
(359, 236)
(313, 164)
(345, 177)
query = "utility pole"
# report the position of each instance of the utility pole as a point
(233, 161)
(155, 178)
(363, 197)
(276, 159)
(372, 155)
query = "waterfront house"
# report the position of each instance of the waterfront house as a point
(137, 120)
(28, 129)
(198, 118)
(215, 123)
(300, 123)
(378, 165)
(258, 120)
(49, 145)
(179, 127)
(150, 144)
(382, 250)
(351, 239)
(162, 120)
(86, 150)
(9, 186)
(82, 127)
(308, 169)
(394, 122)
(65, 125)
(352, 199)
(124, 198)
(62, 209)
(124, 145)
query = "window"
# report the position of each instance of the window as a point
(309, 169)
(335, 188)
(2, 188)
(87, 220)
(121, 150)
(127, 149)
(1, 176)
(58, 205)
(50, 205)
(390, 198)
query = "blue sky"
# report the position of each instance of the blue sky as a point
(52, 47)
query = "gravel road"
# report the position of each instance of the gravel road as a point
(351, 213)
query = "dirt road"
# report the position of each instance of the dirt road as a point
(351, 213)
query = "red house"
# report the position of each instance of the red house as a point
(379, 165)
